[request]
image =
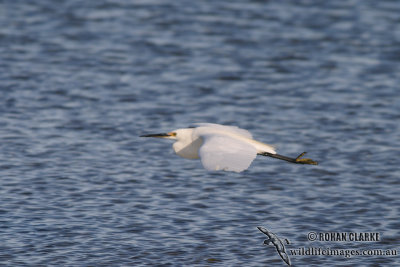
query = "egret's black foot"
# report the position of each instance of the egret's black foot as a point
(305, 161)
(297, 160)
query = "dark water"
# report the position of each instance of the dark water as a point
(81, 80)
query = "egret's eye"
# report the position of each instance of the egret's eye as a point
(172, 134)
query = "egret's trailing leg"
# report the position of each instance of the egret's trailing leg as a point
(298, 160)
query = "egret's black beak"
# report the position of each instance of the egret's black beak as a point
(160, 135)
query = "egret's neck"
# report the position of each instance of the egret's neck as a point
(187, 145)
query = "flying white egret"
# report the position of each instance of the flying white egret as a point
(222, 147)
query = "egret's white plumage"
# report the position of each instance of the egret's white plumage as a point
(220, 147)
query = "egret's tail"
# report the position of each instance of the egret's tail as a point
(298, 160)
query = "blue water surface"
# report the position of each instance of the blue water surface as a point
(81, 80)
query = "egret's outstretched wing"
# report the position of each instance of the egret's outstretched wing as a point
(227, 128)
(220, 152)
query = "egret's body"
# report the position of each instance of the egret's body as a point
(221, 147)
